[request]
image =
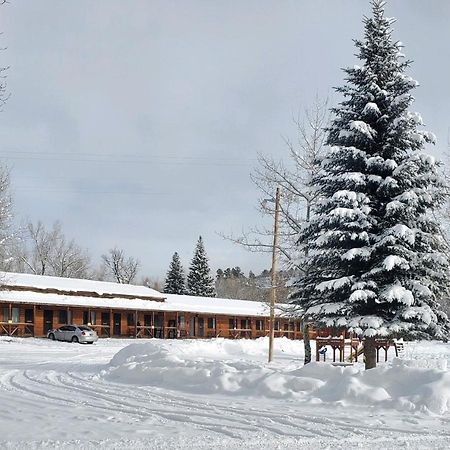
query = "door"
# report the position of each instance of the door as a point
(66, 333)
(69, 332)
(117, 318)
(148, 323)
(201, 326)
(159, 325)
(48, 320)
(172, 325)
(105, 324)
(192, 327)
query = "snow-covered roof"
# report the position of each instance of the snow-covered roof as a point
(74, 285)
(180, 303)
(63, 292)
(215, 305)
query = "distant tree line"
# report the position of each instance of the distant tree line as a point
(233, 283)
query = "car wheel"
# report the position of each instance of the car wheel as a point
(74, 339)
(51, 336)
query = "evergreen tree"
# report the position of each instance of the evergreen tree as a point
(199, 281)
(175, 283)
(376, 263)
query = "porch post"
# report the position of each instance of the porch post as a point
(135, 324)
(10, 319)
(34, 320)
(164, 325)
(153, 324)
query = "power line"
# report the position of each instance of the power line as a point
(86, 191)
(128, 159)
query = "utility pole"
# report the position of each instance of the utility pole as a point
(273, 294)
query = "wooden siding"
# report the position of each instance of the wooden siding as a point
(149, 323)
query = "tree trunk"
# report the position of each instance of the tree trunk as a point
(306, 342)
(370, 353)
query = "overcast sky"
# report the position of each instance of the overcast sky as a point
(138, 123)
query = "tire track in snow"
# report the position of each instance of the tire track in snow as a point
(255, 422)
(230, 420)
(96, 401)
(295, 419)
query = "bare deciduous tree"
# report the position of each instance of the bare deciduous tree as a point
(298, 194)
(293, 176)
(121, 268)
(6, 237)
(7, 243)
(48, 252)
(153, 283)
(443, 214)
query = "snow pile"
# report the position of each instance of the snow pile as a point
(238, 368)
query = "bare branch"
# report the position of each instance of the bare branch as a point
(122, 269)
(294, 175)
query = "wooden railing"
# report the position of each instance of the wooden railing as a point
(16, 328)
(239, 333)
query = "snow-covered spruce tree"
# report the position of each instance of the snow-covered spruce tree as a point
(376, 263)
(199, 281)
(175, 283)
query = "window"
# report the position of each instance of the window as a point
(5, 314)
(62, 316)
(29, 316)
(291, 326)
(277, 325)
(181, 322)
(15, 315)
(93, 317)
(286, 327)
(85, 317)
(259, 325)
(299, 326)
(63, 328)
(231, 324)
(130, 319)
(211, 323)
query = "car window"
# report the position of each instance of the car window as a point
(64, 328)
(71, 328)
(83, 328)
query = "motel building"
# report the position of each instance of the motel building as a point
(31, 305)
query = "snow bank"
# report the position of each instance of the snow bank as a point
(238, 368)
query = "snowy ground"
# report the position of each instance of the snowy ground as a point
(216, 394)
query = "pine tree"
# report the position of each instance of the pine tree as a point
(199, 280)
(175, 283)
(376, 264)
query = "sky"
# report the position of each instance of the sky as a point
(137, 124)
